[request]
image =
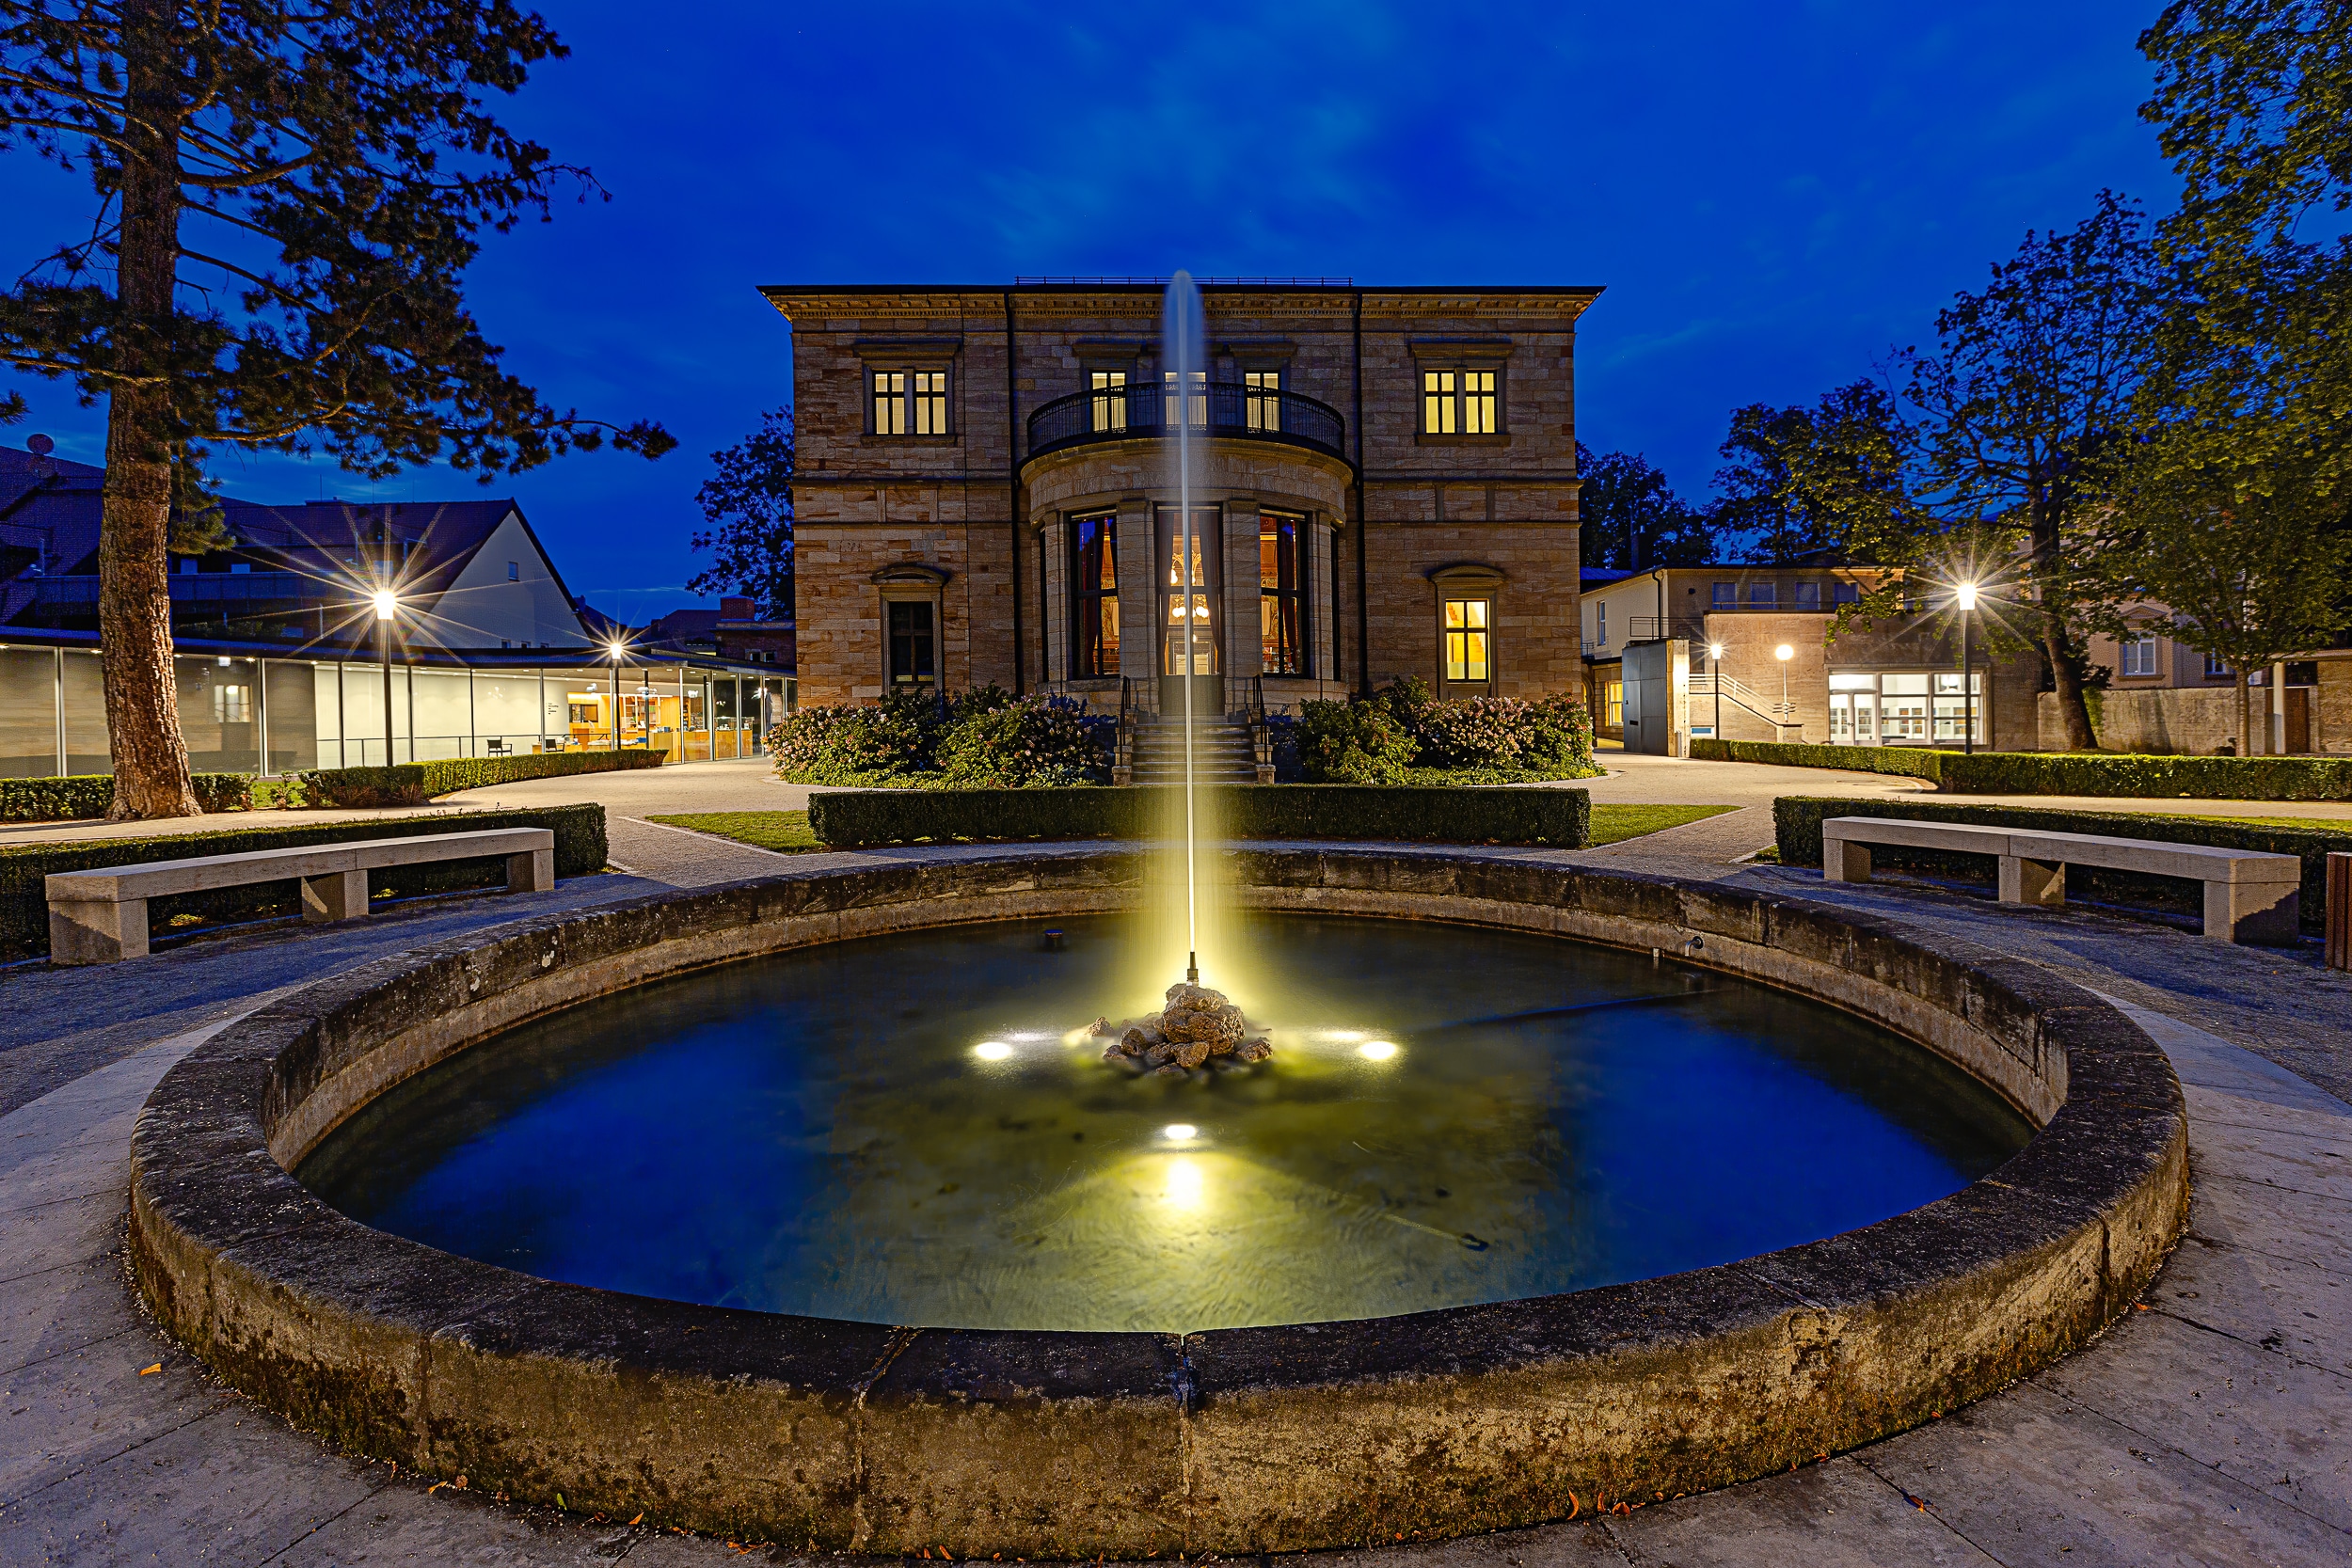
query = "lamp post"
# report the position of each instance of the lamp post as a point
(1785, 653)
(387, 605)
(1966, 596)
(1715, 664)
(616, 649)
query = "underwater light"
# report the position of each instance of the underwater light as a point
(1377, 1051)
(1186, 1184)
(992, 1050)
(1180, 1132)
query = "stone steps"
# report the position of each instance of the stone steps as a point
(1221, 752)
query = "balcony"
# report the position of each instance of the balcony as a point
(1226, 410)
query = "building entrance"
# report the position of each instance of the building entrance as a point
(1200, 607)
(1854, 719)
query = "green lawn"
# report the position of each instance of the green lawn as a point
(1615, 824)
(784, 830)
(788, 831)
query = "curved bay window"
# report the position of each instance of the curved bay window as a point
(1094, 594)
(1282, 593)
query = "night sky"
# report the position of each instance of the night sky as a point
(1773, 194)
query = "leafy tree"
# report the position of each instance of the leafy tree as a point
(748, 505)
(2251, 575)
(1802, 481)
(1632, 520)
(286, 199)
(2019, 421)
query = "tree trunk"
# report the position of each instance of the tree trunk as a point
(2074, 712)
(150, 755)
(2244, 716)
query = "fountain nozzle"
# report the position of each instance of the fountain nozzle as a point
(1192, 969)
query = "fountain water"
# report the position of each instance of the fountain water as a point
(1186, 346)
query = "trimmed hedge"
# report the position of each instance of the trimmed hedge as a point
(1797, 829)
(2093, 773)
(579, 848)
(413, 783)
(84, 795)
(1908, 761)
(1559, 818)
(2150, 778)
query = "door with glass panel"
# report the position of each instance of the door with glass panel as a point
(1903, 709)
(1854, 719)
(1196, 609)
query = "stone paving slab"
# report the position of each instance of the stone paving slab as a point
(50, 1312)
(2252, 1217)
(1840, 1514)
(2291, 1306)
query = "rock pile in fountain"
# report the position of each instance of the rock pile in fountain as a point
(1197, 1025)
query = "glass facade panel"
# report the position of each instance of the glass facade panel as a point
(327, 703)
(506, 712)
(723, 727)
(290, 715)
(87, 747)
(696, 719)
(28, 713)
(221, 713)
(363, 716)
(443, 713)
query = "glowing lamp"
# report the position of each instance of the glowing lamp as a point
(992, 1050)
(1966, 596)
(1377, 1051)
(385, 603)
(1784, 653)
(1180, 1132)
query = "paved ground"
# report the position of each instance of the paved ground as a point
(2211, 1428)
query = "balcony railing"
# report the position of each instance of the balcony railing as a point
(205, 588)
(1222, 409)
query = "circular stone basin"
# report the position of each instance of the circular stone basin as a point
(916, 1128)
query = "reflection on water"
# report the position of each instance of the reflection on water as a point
(906, 1130)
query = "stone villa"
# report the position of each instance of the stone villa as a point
(985, 490)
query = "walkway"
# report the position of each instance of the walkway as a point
(2209, 1428)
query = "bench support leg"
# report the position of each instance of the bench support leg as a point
(533, 871)
(96, 933)
(2262, 915)
(1844, 861)
(337, 896)
(2025, 881)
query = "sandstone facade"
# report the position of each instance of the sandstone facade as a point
(953, 503)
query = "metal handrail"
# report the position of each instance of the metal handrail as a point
(1261, 733)
(1653, 628)
(1149, 409)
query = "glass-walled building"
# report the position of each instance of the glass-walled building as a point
(244, 712)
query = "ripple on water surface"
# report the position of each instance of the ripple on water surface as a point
(908, 1129)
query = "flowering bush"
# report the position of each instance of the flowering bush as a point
(982, 736)
(1032, 742)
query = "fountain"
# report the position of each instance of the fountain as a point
(1477, 1191)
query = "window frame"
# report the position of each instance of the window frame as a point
(1455, 396)
(1293, 601)
(1087, 593)
(1107, 386)
(2142, 645)
(912, 681)
(1475, 630)
(912, 405)
(1261, 398)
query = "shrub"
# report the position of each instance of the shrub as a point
(1352, 742)
(1559, 818)
(1026, 744)
(84, 795)
(579, 849)
(1908, 761)
(2150, 778)
(850, 743)
(1797, 832)
(413, 783)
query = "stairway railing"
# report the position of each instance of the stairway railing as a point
(1780, 715)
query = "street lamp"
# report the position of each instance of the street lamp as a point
(1785, 653)
(386, 606)
(616, 648)
(1964, 596)
(1715, 663)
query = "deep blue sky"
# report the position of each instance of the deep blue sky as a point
(1774, 194)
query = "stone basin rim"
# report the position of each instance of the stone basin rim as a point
(1068, 1444)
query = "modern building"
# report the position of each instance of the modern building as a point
(986, 492)
(277, 642)
(1655, 684)
(735, 630)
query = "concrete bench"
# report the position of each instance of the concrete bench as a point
(2250, 896)
(100, 916)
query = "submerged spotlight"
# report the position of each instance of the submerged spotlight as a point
(1180, 1132)
(992, 1050)
(1185, 1184)
(1377, 1051)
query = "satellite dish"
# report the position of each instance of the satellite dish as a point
(40, 446)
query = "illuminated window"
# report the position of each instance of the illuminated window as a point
(911, 643)
(1460, 402)
(1196, 406)
(1466, 631)
(1613, 704)
(233, 704)
(1094, 592)
(907, 403)
(1262, 398)
(1282, 591)
(1110, 399)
